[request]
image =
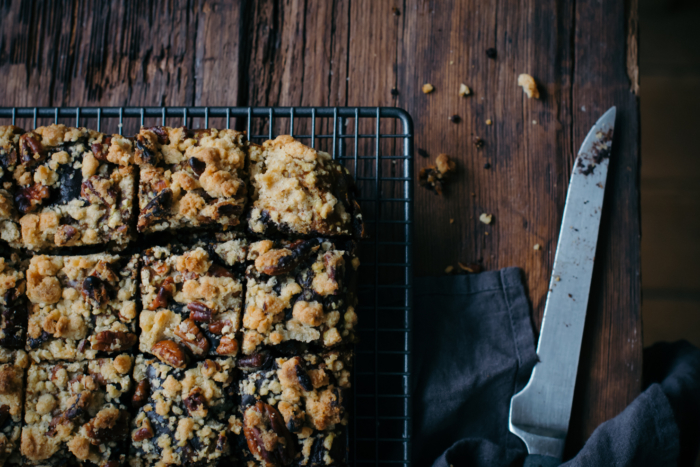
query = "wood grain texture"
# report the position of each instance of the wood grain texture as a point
(353, 52)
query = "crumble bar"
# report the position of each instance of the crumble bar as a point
(299, 191)
(9, 158)
(294, 409)
(80, 305)
(300, 290)
(75, 187)
(74, 413)
(185, 416)
(190, 178)
(192, 298)
(12, 367)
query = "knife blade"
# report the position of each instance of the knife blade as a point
(539, 414)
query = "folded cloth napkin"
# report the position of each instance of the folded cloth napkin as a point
(477, 349)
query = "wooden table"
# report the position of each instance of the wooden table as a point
(353, 52)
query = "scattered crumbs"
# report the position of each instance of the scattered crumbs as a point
(536, 247)
(471, 267)
(599, 185)
(557, 278)
(486, 233)
(486, 218)
(478, 142)
(452, 62)
(583, 108)
(491, 53)
(534, 122)
(394, 92)
(570, 296)
(473, 195)
(427, 88)
(455, 119)
(449, 269)
(395, 10)
(529, 85)
(422, 152)
(435, 176)
(489, 122)
(464, 90)
(452, 221)
(487, 166)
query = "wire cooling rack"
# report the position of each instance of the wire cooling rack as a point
(376, 145)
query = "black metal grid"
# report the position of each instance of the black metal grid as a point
(376, 144)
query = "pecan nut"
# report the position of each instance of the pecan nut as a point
(140, 397)
(113, 340)
(227, 346)
(145, 432)
(199, 312)
(156, 210)
(264, 422)
(195, 403)
(193, 337)
(166, 290)
(66, 235)
(28, 198)
(170, 352)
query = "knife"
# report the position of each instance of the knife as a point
(539, 414)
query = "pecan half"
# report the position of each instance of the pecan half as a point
(94, 289)
(227, 346)
(219, 271)
(195, 403)
(100, 150)
(29, 147)
(199, 312)
(193, 337)
(170, 352)
(254, 361)
(145, 432)
(217, 327)
(28, 198)
(166, 290)
(264, 428)
(113, 341)
(141, 394)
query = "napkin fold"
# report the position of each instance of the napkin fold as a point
(475, 348)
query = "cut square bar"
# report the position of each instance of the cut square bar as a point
(302, 291)
(185, 416)
(295, 409)
(192, 296)
(13, 365)
(190, 178)
(75, 187)
(301, 192)
(81, 305)
(74, 412)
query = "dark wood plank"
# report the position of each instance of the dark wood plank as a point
(609, 374)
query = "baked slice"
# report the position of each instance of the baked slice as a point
(301, 192)
(192, 297)
(74, 413)
(295, 409)
(184, 416)
(81, 305)
(300, 291)
(9, 159)
(13, 302)
(190, 178)
(74, 187)
(13, 365)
